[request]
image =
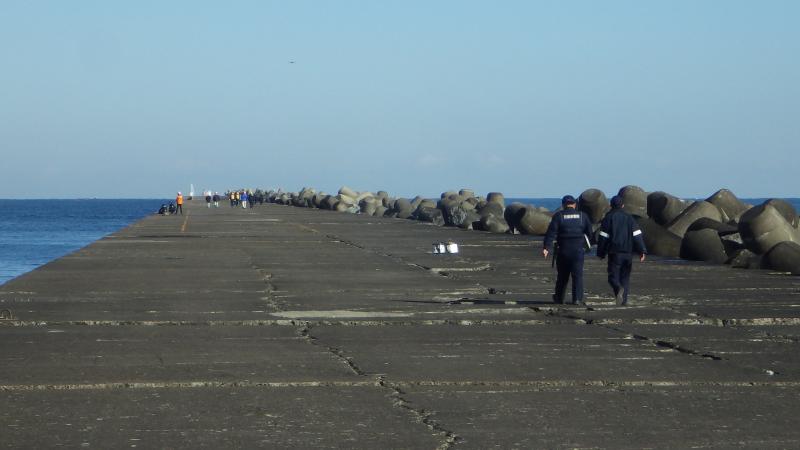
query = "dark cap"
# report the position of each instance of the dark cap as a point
(616, 202)
(567, 199)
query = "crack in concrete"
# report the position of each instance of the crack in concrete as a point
(670, 345)
(420, 416)
(350, 243)
(305, 333)
(656, 342)
(674, 346)
(271, 300)
(707, 355)
(423, 416)
(304, 227)
(436, 272)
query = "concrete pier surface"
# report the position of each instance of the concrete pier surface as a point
(283, 327)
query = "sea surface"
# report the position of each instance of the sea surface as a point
(555, 203)
(35, 232)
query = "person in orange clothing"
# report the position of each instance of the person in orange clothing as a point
(179, 202)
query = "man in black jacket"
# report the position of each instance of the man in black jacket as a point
(572, 230)
(619, 237)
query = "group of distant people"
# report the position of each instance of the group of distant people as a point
(246, 198)
(570, 235)
(173, 207)
(240, 197)
(212, 199)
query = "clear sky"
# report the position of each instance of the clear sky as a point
(530, 98)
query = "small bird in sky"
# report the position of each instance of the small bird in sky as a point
(291, 62)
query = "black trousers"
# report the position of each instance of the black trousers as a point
(569, 263)
(619, 273)
(179, 207)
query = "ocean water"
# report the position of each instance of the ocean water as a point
(35, 232)
(554, 203)
(550, 203)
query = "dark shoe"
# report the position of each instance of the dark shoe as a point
(579, 303)
(617, 297)
(557, 301)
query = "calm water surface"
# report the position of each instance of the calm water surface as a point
(34, 232)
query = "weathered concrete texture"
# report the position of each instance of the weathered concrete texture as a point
(523, 354)
(271, 416)
(283, 327)
(164, 354)
(615, 417)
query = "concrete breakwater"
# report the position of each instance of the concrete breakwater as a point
(720, 229)
(283, 327)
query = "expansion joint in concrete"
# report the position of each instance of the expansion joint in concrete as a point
(195, 384)
(395, 387)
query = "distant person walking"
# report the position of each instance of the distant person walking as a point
(208, 199)
(571, 230)
(619, 237)
(243, 198)
(216, 199)
(179, 203)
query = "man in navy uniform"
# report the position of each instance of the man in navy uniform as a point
(571, 229)
(619, 237)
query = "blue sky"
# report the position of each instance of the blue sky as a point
(530, 98)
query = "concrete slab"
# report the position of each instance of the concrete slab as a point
(516, 353)
(289, 327)
(522, 417)
(749, 348)
(213, 418)
(113, 355)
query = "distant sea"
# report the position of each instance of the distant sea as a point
(35, 232)
(555, 203)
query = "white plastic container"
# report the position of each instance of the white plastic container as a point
(452, 247)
